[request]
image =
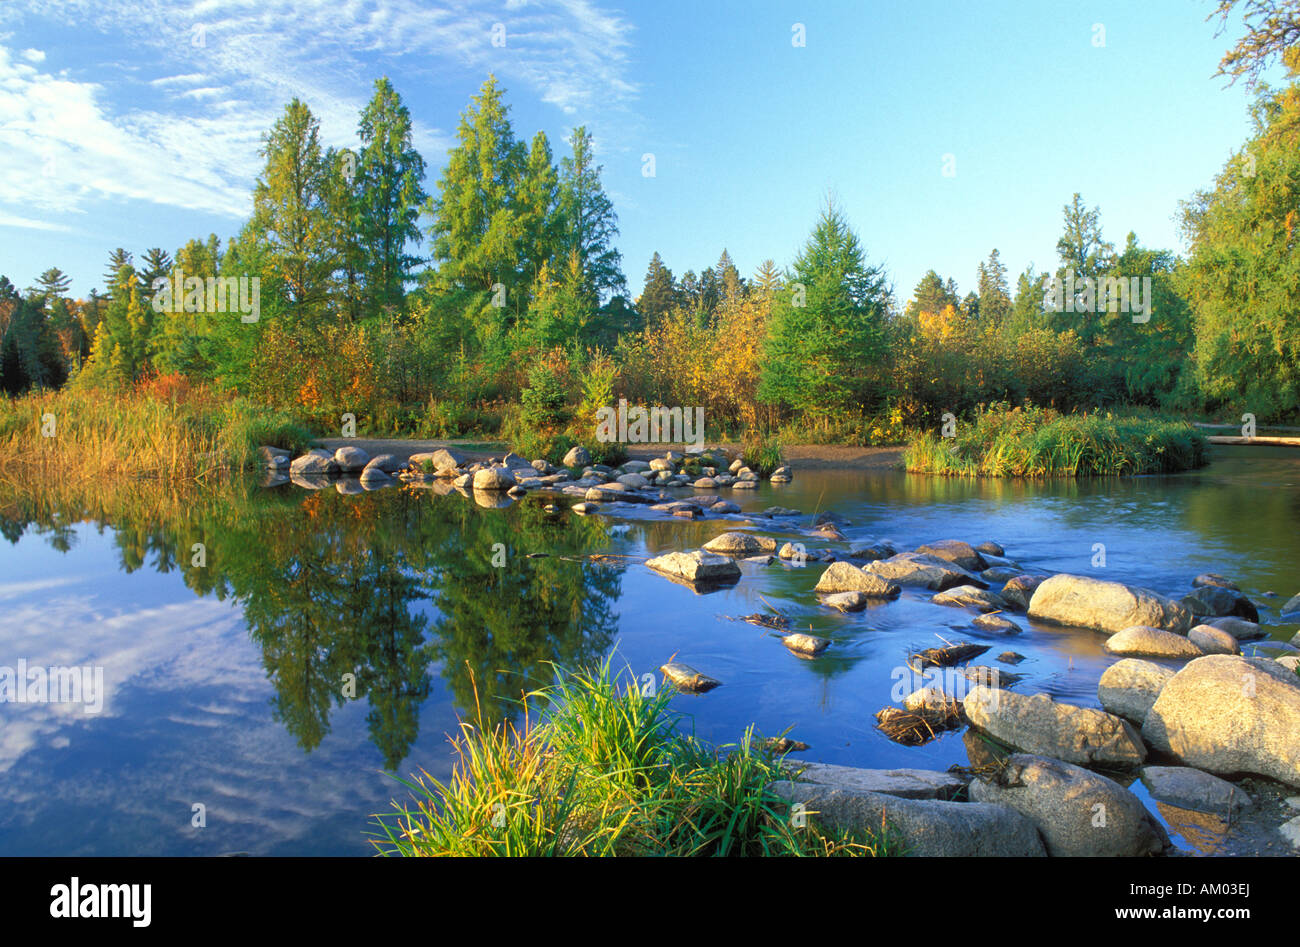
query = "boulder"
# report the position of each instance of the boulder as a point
(634, 480)
(1213, 601)
(1213, 640)
(351, 459)
(914, 568)
(923, 827)
(1227, 714)
(956, 552)
(314, 463)
(932, 700)
(1131, 686)
(1105, 606)
(388, 463)
(1147, 642)
(1291, 606)
(373, 475)
(903, 783)
(724, 506)
(686, 678)
(846, 577)
(1191, 788)
(871, 551)
(274, 457)
(990, 548)
(494, 478)
(810, 645)
(847, 601)
(996, 624)
(577, 457)
(1239, 628)
(585, 507)
(705, 483)
(1213, 578)
(1039, 725)
(696, 566)
(969, 596)
(439, 459)
(1077, 812)
(1020, 589)
(740, 544)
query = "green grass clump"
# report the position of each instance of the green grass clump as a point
(1040, 442)
(762, 455)
(606, 771)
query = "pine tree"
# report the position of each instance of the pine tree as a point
(53, 285)
(826, 335)
(728, 277)
(390, 194)
(995, 299)
(590, 224)
(290, 213)
(660, 292)
(116, 260)
(540, 223)
(767, 279)
(932, 295)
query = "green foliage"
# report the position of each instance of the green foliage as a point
(607, 771)
(826, 333)
(1034, 442)
(762, 455)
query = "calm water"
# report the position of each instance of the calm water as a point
(227, 684)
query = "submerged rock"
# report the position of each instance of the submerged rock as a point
(956, 552)
(1020, 589)
(970, 596)
(1105, 606)
(997, 624)
(1077, 812)
(1215, 602)
(1214, 579)
(847, 601)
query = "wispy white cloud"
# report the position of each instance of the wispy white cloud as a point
(179, 122)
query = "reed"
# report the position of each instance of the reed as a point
(1040, 442)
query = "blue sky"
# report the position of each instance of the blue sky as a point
(118, 129)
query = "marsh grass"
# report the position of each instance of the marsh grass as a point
(1040, 442)
(98, 433)
(605, 770)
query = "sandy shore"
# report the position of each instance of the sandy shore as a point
(800, 456)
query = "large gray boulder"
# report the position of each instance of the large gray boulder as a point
(1214, 601)
(846, 577)
(957, 552)
(968, 596)
(1143, 641)
(1131, 686)
(1037, 724)
(1213, 640)
(1193, 789)
(924, 827)
(1239, 628)
(441, 459)
(351, 459)
(740, 544)
(1020, 589)
(696, 566)
(915, 568)
(577, 457)
(494, 478)
(1292, 605)
(314, 462)
(904, 783)
(388, 463)
(1105, 606)
(1077, 812)
(1227, 714)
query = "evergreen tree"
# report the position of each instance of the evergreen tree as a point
(826, 335)
(590, 224)
(290, 212)
(540, 223)
(53, 284)
(116, 260)
(767, 279)
(390, 194)
(660, 292)
(994, 294)
(728, 277)
(933, 295)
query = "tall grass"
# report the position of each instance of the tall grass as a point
(606, 770)
(82, 432)
(1040, 442)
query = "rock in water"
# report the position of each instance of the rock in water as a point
(1193, 789)
(1146, 642)
(351, 459)
(956, 552)
(494, 478)
(577, 457)
(686, 678)
(1105, 606)
(1019, 590)
(1041, 726)
(1213, 640)
(847, 601)
(1130, 687)
(740, 544)
(846, 577)
(1227, 714)
(945, 657)
(1077, 812)
(696, 566)
(806, 644)
(964, 596)
(914, 568)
